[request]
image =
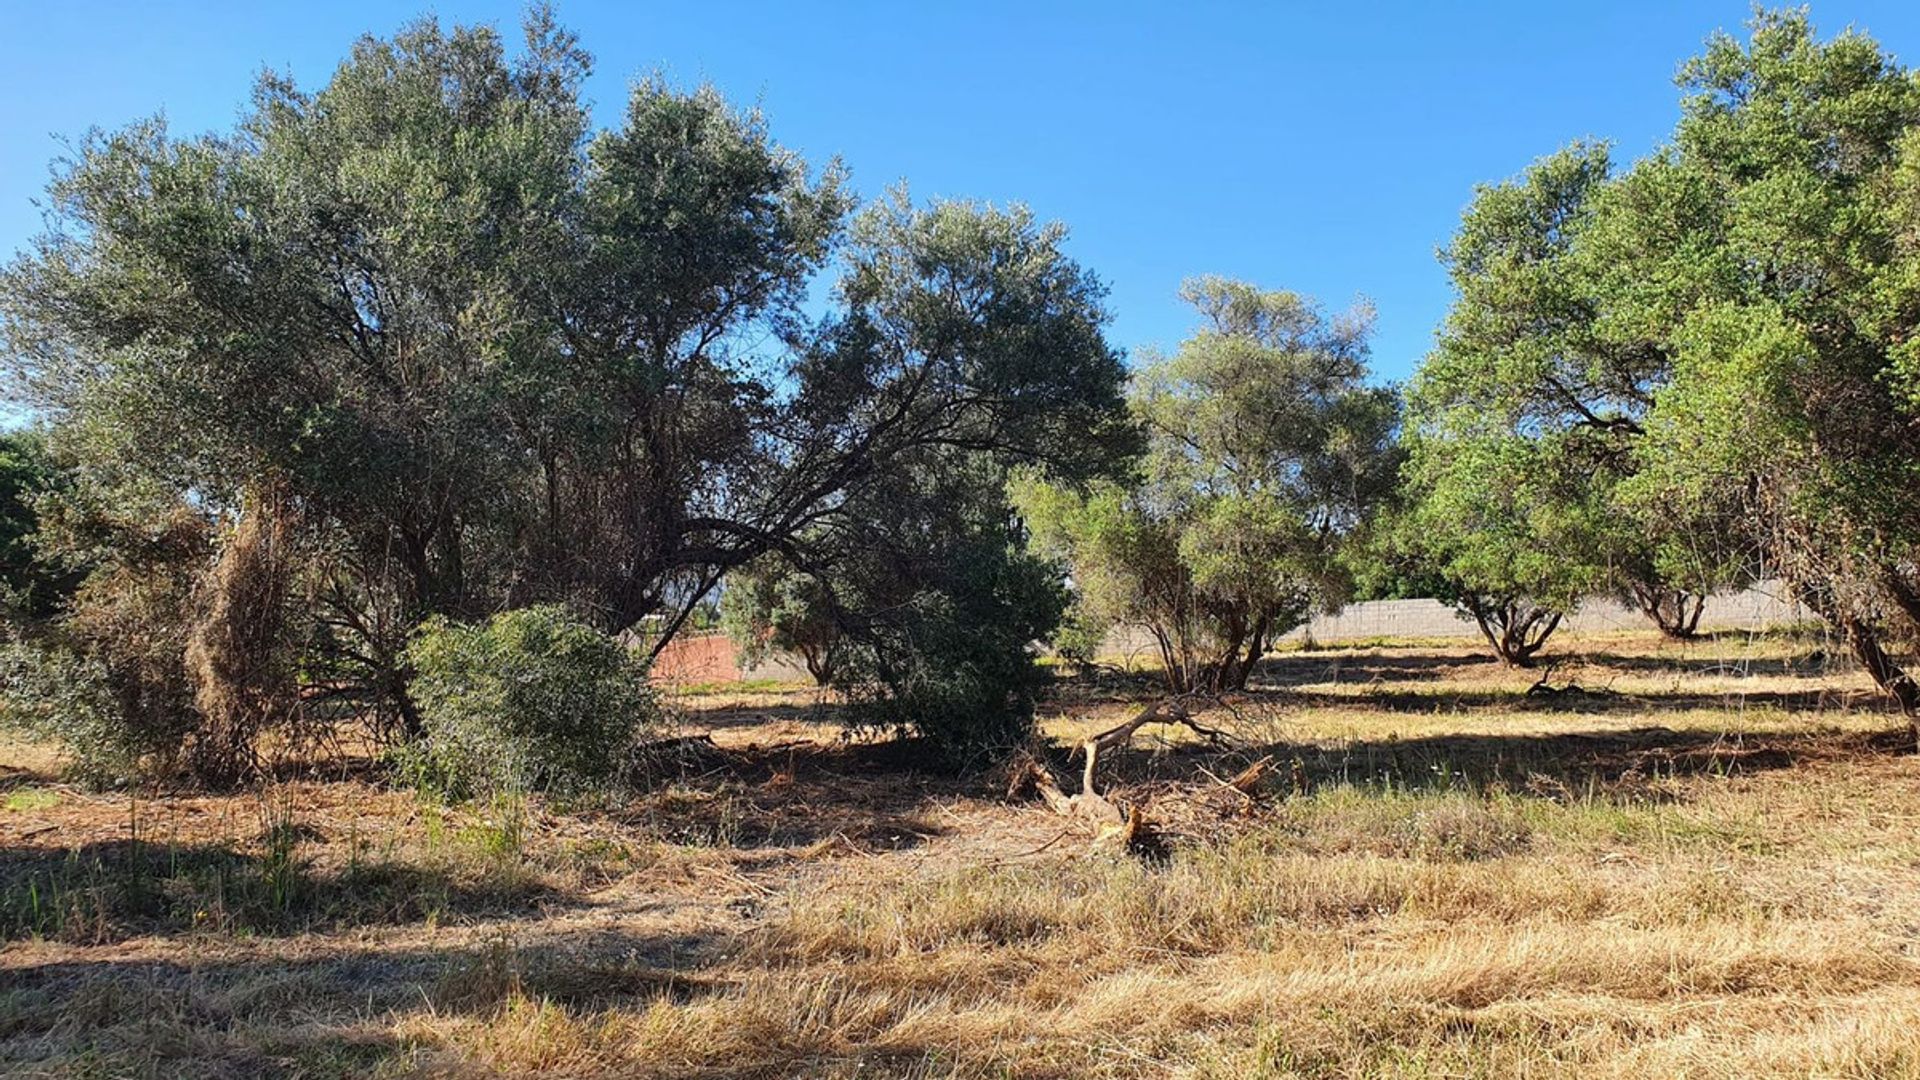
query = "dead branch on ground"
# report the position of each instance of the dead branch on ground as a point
(1125, 822)
(1543, 687)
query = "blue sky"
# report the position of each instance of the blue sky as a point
(1324, 148)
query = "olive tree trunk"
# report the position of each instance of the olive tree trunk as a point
(1517, 629)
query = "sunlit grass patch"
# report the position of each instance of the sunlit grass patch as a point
(27, 799)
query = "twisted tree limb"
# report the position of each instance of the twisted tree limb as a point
(1089, 803)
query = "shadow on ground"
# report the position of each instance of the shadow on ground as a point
(1614, 764)
(115, 889)
(1297, 669)
(876, 795)
(1574, 684)
(258, 1013)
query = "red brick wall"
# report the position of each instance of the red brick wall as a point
(697, 658)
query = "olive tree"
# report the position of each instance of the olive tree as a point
(483, 356)
(1266, 447)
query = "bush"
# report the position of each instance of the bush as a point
(952, 660)
(1081, 636)
(49, 691)
(34, 584)
(533, 699)
(769, 606)
(107, 676)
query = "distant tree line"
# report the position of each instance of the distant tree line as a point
(418, 378)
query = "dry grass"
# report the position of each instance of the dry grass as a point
(1712, 869)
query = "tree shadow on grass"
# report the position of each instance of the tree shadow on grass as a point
(747, 716)
(1809, 663)
(1631, 764)
(1300, 669)
(13, 777)
(121, 888)
(875, 795)
(880, 795)
(1595, 699)
(255, 1013)
(1288, 671)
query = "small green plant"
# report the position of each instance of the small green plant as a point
(283, 872)
(531, 700)
(499, 837)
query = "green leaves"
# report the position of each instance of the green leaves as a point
(500, 359)
(1265, 449)
(1672, 377)
(770, 606)
(531, 700)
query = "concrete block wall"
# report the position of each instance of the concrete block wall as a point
(1765, 605)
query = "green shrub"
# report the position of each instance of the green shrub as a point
(52, 692)
(34, 583)
(533, 699)
(948, 653)
(107, 676)
(1081, 636)
(770, 606)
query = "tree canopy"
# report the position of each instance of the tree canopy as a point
(1265, 447)
(487, 357)
(1523, 428)
(1720, 333)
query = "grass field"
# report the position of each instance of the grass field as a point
(1703, 862)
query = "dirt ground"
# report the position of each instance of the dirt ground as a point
(1695, 859)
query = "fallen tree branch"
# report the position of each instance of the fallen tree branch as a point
(1057, 837)
(1249, 778)
(1164, 711)
(1090, 805)
(1543, 689)
(1030, 775)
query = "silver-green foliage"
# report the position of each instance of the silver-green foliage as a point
(531, 700)
(498, 357)
(1266, 448)
(61, 695)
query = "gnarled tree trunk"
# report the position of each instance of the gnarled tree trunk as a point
(1189, 671)
(1517, 629)
(1864, 640)
(1675, 611)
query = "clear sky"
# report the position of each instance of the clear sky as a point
(1326, 148)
